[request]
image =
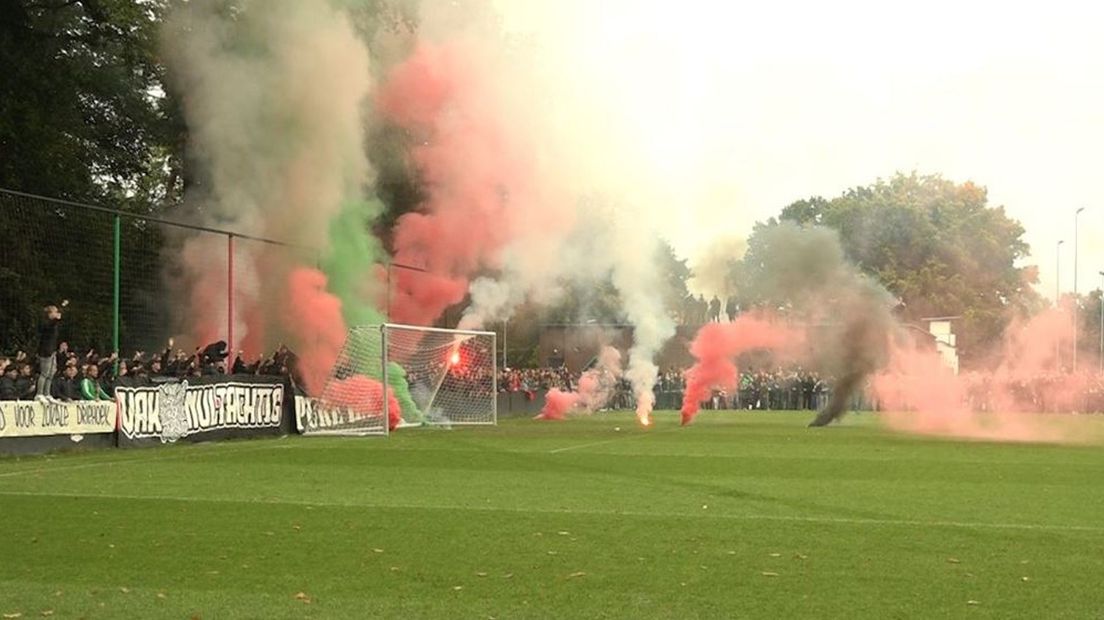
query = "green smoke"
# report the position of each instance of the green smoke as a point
(353, 256)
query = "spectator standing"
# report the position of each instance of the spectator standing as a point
(715, 310)
(48, 332)
(731, 308)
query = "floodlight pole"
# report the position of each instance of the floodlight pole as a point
(1058, 299)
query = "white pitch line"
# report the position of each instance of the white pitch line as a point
(607, 441)
(153, 455)
(565, 511)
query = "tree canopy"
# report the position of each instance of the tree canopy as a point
(935, 244)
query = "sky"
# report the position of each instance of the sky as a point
(753, 107)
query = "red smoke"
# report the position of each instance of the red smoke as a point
(363, 396)
(920, 394)
(205, 256)
(313, 317)
(596, 386)
(716, 347)
(479, 175)
(557, 403)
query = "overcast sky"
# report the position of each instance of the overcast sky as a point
(760, 106)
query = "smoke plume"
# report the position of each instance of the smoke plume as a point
(274, 98)
(920, 394)
(596, 387)
(716, 349)
(803, 273)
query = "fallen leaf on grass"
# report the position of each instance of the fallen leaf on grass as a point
(394, 569)
(768, 573)
(800, 556)
(552, 553)
(776, 555)
(13, 615)
(124, 590)
(46, 613)
(270, 533)
(377, 550)
(972, 602)
(1025, 578)
(296, 527)
(481, 574)
(162, 595)
(954, 561)
(508, 576)
(302, 596)
(564, 533)
(457, 588)
(731, 553)
(578, 574)
(58, 593)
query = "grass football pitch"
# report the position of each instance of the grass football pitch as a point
(742, 515)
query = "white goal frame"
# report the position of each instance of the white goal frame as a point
(385, 327)
(347, 415)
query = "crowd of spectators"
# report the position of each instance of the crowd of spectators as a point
(58, 372)
(762, 389)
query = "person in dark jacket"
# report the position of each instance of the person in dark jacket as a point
(25, 383)
(9, 389)
(48, 332)
(67, 385)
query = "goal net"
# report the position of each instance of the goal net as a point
(432, 376)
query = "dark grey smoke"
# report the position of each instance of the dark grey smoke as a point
(803, 272)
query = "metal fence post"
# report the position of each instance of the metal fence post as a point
(230, 292)
(115, 304)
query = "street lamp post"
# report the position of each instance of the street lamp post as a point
(1058, 273)
(1076, 299)
(1058, 299)
(1102, 322)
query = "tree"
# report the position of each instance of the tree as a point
(80, 115)
(937, 245)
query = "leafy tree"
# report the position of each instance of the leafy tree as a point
(937, 245)
(80, 112)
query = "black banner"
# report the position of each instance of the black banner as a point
(202, 409)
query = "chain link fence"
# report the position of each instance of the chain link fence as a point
(121, 273)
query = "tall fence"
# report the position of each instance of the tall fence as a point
(121, 271)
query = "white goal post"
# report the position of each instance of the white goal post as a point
(433, 376)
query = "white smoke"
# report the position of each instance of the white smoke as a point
(274, 97)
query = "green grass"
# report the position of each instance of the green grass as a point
(746, 515)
